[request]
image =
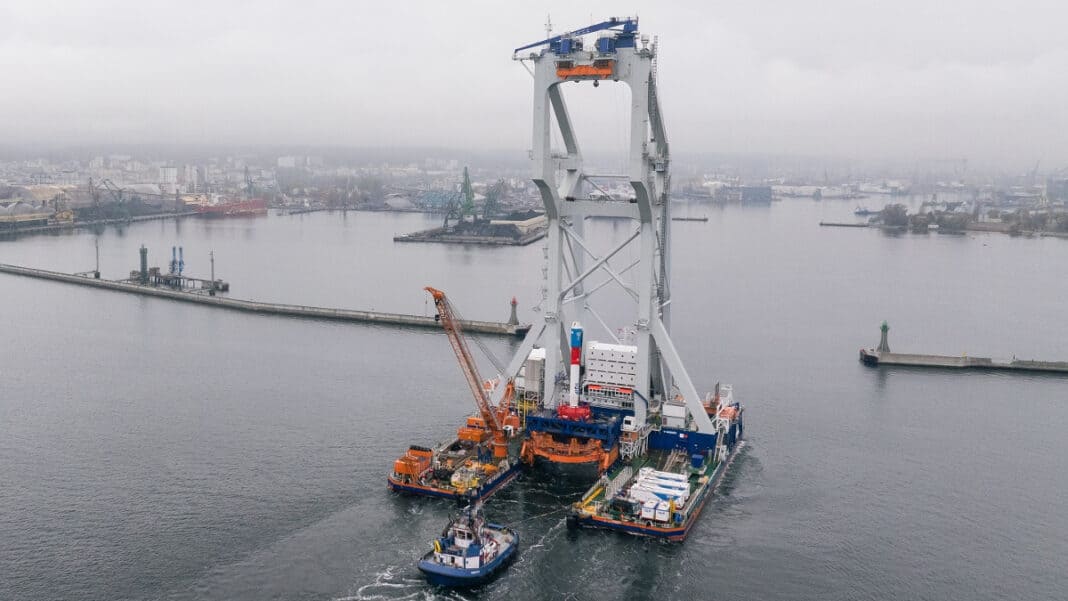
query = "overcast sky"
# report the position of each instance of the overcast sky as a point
(896, 79)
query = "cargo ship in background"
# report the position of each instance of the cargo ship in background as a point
(249, 206)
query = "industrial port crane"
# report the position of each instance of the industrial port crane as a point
(115, 191)
(451, 323)
(492, 202)
(249, 189)
(462, 204)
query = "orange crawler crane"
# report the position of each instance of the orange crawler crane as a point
(494, 421)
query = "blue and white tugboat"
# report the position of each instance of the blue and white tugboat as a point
(470, 551)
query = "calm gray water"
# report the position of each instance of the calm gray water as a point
(151, 450)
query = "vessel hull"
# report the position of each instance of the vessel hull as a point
(650, 529)
(574, 470)
(453, 577)
(483, 492)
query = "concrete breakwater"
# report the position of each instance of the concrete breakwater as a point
(963, 362)
(351, 315)
(883, 356)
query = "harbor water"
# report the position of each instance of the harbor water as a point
(158, 450)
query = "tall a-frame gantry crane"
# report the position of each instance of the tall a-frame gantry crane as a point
(617, 55)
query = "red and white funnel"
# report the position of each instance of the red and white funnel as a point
(576, 358)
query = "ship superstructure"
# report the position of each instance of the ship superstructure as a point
(247, 206)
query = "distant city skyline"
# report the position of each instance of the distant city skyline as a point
(875, 81)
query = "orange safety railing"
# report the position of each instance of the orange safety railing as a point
(544, 443)
(601, 69)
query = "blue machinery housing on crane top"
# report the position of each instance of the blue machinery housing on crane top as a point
(571, 41)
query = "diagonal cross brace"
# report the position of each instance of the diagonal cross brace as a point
(689, 392)
(601, 263)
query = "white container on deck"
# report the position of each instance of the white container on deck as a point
(648, 472)
(674, 415)
(662, 511)
(649, 510)
(615, 364)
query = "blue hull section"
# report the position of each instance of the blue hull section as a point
(442, 575)
(674, 438)
(605, 427)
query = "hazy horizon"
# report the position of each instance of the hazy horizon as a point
(845, 79)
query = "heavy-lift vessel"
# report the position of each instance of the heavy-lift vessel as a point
(624, 410)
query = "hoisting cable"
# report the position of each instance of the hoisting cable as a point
(541, 515)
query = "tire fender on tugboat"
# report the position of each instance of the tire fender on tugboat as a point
(573, 522)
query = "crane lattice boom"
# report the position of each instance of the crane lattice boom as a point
(467, 363)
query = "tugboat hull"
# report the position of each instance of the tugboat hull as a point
(455, 577)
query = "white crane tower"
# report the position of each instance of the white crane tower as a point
(618, 55)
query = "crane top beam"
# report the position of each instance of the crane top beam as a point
(626, 26)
